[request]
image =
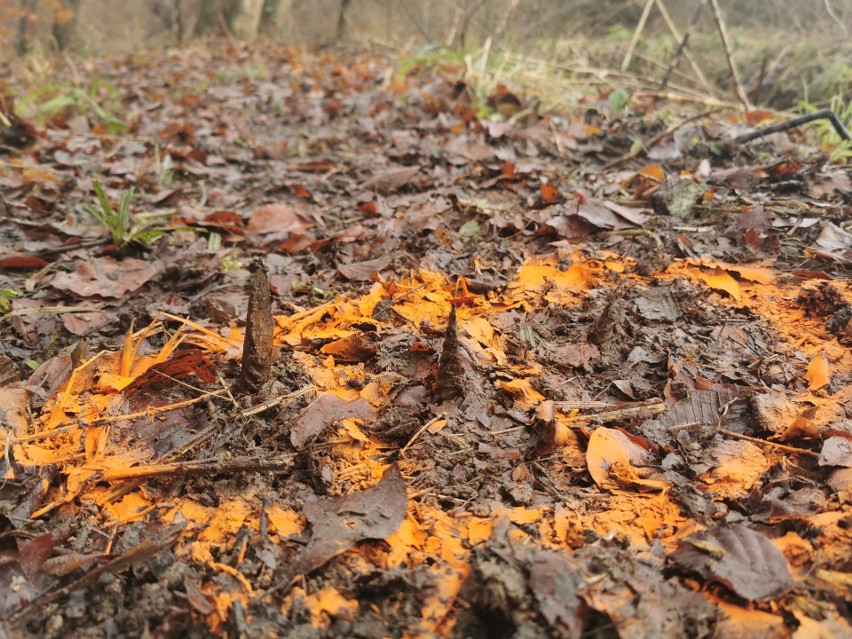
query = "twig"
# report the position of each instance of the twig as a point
(681, 47)
(764, 442)
(723, 33)
(199, 467)
(637, 34)
(49, 310)
(622, 414)
(834, 17)
(657, 139)
(420, 432)
(139, 552)
(685, 99)
(272, 403)
(827, 114)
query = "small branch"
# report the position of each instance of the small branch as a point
(723, 33)
(411, 441)
(622, 414)
(763, 442)
(637, 34)
(827, 114)
(657, 139)
(211, 466)
(681, 47)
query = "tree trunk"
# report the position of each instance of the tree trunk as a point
(341, 20)
(244, 19)
(64, 27)
(280, 19)
(210, 16)
(27, 9)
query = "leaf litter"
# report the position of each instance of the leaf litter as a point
(405, 370)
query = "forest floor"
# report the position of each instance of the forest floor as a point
(577, 372)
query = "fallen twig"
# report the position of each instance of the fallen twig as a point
(764, 442)
(723, 33)
(826, 114)
(201, 467)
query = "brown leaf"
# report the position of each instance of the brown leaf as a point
(258, 351)
(742, 559)
(106, 277)
(738, 466)
(8, 372)
(33, 553)
(836, 451)
(323, 411)
(556, 581)
(181, 366)
(364, 271)
(22, 262)
(392, 180)
(341, 522)
(278, 222)
(351, 349)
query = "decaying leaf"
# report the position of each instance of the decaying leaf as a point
(323, 411)
(341, 522)
(738, 466)
(742, 559)
(836, 451)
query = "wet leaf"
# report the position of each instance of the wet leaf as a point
(338, 524)
(615, 458)
(323, 411)
(740, 558)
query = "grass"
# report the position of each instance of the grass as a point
(123, 226)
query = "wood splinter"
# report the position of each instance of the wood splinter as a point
(258, 350)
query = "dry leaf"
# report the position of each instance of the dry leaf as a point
(615, 459)
(721, 280)
(818, 374)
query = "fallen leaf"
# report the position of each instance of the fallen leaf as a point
(277, 222)
(721, 280)
(738, 557)
(615, 458)
(836, 451)
(106, 277)
(738, 466)
(364, 271)
(341, 522)
(323, 411)
(818, 374)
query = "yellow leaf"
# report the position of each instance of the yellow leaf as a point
(753, 274)
(721, 280)
(286, 522)
(818, 374)
(479, 530)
